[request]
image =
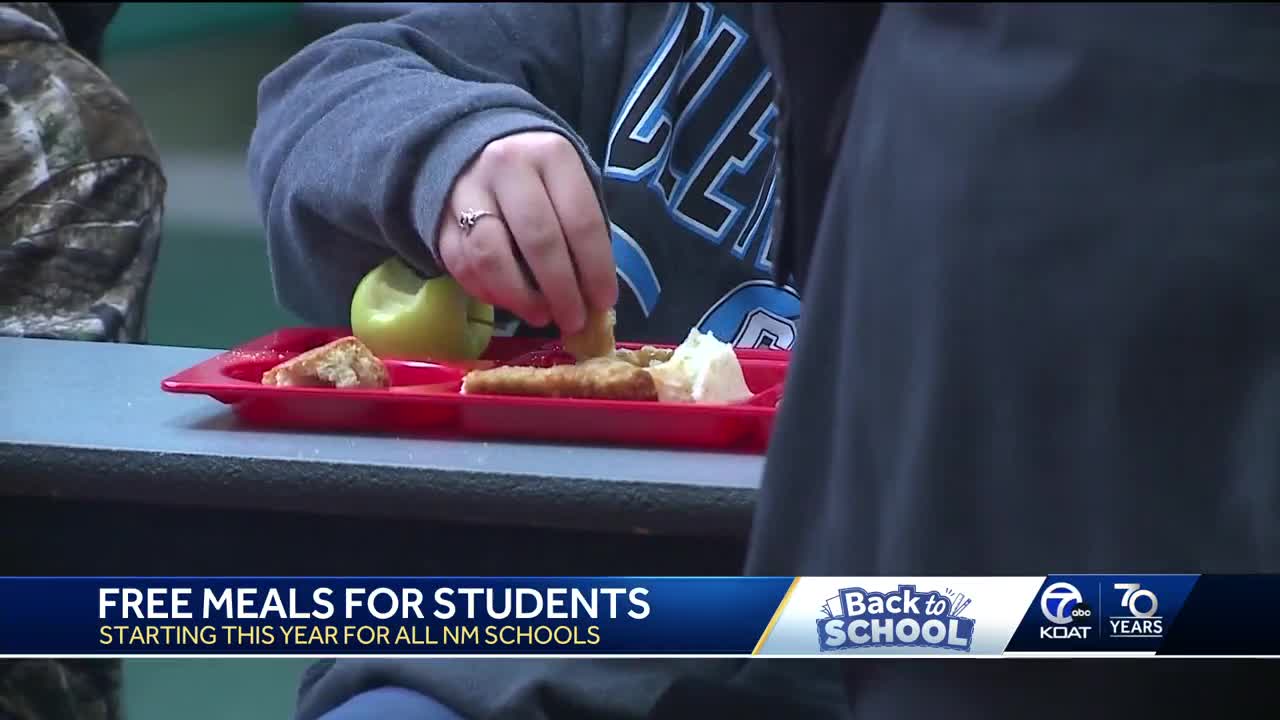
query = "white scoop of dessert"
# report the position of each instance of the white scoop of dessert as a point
(701, 370)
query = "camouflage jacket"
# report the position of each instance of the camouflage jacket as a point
(81, 200)
(81, 191)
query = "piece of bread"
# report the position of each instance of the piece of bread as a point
(596, 339)
(599, 379)
(645, 356)
(343, 363)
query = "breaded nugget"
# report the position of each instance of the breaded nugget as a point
(343, 363)
(599, 379)
(645, 356)
(596, 339)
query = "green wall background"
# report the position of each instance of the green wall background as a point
(141, 26)
(192, 71)
(224, 689)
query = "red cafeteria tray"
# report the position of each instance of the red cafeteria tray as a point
(425, 397)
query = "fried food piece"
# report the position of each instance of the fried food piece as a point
(596, 339)
(604, 378)
(343, 363)
(644, 357)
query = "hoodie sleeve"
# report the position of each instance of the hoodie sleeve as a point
(361, 134)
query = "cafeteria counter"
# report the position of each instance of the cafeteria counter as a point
(103, 473)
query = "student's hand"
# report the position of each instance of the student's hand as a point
(546, 216)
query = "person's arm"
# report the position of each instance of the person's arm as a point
(362, 134)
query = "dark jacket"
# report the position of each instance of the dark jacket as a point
(1041, 322)
(85, 25)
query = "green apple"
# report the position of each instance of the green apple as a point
(398, 314)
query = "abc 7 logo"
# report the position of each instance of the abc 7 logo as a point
(1062, 604)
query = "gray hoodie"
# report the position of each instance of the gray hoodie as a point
(361, 135)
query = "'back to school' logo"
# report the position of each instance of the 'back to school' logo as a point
(904, 618)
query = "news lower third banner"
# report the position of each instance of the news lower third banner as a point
(822, 617)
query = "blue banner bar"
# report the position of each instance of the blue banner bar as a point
(1059, 615)
(371, 616)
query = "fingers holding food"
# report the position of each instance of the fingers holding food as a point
(482, 257)
(538, 239)
(557, 262)
(582, 222)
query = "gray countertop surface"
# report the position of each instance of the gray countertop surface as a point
(89, 421)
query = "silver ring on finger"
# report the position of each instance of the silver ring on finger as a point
(468, 218)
